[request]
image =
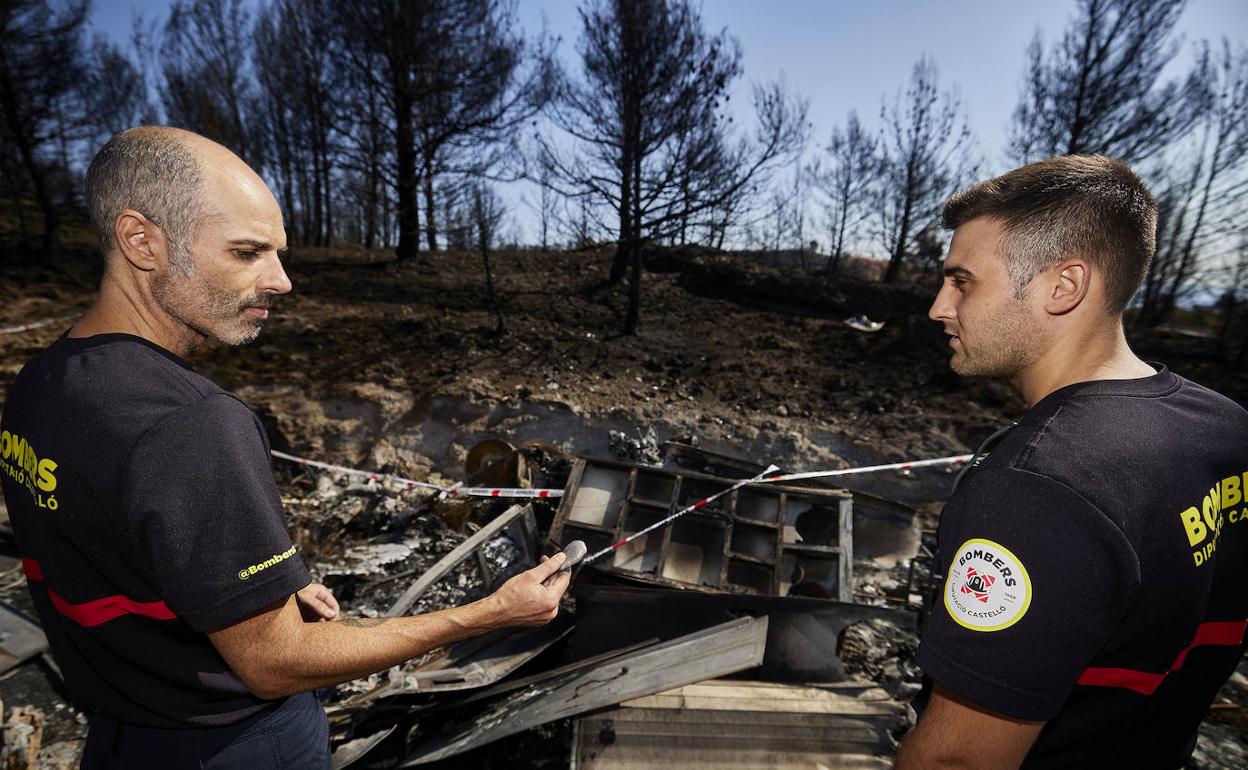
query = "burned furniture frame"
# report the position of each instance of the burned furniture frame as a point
(517, 522)
(483, 660)
(763, 539)
(730, 723)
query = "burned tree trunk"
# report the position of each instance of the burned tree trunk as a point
(407, 181)
(487, 214)
(431, 227)
(899, 247)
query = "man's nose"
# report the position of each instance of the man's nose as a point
(274, 278)
(942, 307)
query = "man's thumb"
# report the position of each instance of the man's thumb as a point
(549, 567)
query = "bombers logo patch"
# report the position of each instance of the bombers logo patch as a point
(987, 588)
(977, 585)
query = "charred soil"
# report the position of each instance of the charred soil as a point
(399, 368)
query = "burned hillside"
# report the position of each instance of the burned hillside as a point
(400, 371)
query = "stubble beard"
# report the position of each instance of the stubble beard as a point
(208, 309)
(1005, 345)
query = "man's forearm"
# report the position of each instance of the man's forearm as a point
(274, 661)
(275, 653)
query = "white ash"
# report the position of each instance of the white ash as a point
(643, 449)
(1218, 747)
(367, 559)
(356, 686)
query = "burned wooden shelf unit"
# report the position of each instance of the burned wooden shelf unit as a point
(762, 539)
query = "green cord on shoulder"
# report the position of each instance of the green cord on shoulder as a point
(983, 449)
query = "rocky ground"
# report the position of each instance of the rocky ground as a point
(401, 370)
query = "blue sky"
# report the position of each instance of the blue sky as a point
(845, 55)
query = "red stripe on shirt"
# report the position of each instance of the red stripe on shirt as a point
(1139, 681)
(98, 611)
(1213, 635)
(32, 569)
(1218, 634)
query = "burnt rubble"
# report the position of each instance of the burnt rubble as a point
(780, 555)
(715, 626)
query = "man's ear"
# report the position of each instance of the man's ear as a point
(1066, 286)
(140, 241)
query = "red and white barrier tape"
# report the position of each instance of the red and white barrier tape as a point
(908, 465)
(458, 489)
(453, 491)
(39, 324)
(506, 492)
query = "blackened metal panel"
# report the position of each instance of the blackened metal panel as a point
(727, 648)
(802, 639)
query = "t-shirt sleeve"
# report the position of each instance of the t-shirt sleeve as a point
(205, 515)
(1036, 581)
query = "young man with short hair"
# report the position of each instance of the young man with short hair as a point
(1096, 562)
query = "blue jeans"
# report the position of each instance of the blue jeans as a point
(295, 734)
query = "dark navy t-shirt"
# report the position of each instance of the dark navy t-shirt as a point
(146, 514)
(1096, 571)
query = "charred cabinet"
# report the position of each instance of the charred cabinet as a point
(763, 539)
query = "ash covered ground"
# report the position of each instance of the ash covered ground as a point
(399, 370)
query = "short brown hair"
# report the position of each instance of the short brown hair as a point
(1086, 205)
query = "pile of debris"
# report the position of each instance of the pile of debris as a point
(744, 632)
(725, 623)
(716, 635)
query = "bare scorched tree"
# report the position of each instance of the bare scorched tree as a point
(206, 79)
(1202, 209)
(40, 69)
(301, 122)
(114, 94)
(845, 179)
(926, 154)
(455, 79)
(485, 219)
(648, 120)
(1098, 90)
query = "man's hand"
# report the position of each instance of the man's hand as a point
(316, 603)
(531, 598)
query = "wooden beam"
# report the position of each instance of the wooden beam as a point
(845, 560)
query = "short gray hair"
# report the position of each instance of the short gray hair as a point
(151, 170)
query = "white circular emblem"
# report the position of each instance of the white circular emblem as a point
(987, 588)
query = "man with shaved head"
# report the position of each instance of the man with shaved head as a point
(148, 521)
